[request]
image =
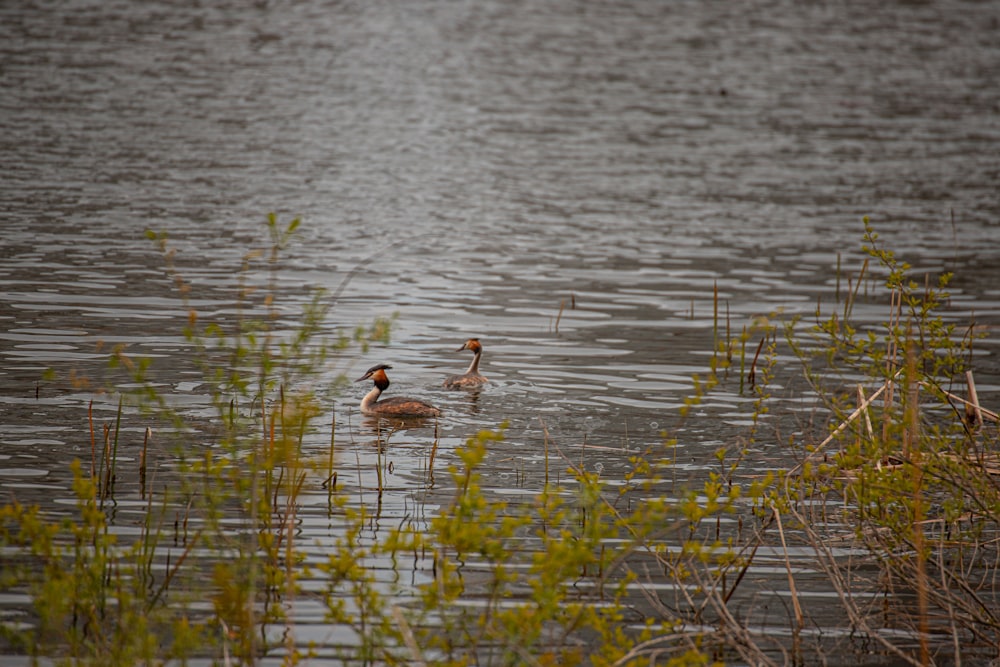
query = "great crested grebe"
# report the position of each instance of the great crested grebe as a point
(471, 377)
(397, 406)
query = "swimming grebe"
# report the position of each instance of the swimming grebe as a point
(396, 406)
(471, 377)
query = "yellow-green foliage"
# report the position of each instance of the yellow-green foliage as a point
(557, 577)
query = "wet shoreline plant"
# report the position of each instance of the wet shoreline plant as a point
(644, 570)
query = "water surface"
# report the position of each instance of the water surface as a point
(567, 181)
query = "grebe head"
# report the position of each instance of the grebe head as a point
(471, 344)
(377, 374)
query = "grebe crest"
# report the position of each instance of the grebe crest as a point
(471, 377)
(397, 406)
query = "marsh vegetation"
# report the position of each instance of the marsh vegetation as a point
(878, 512)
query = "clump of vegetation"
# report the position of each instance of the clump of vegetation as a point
(582, 572)
(911, 465)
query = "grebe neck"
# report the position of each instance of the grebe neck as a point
(372, 397)
(474, 366)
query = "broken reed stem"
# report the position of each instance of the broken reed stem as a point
(562, 304)
(973, 412)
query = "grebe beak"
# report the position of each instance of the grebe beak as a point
(364, 377)
(465, 346)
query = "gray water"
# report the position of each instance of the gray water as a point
(566, 181)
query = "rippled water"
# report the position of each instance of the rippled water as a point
(567, 181)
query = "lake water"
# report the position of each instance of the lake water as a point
(567, 181)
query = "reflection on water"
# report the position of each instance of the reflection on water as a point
(569, 183)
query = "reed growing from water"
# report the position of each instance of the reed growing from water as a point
(585, 569)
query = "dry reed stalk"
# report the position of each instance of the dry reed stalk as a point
(545, 443)
(868, 418)
(112, 469)
(562, 304)
(743, 356)
(105, 465)
(171, 572)
(729, 337)
(895, 314)
(276, 489)
(752, 376)
(142, 464)
(331, 476)
(852, 292)
(799, 618)
(146, 536)
(990, 462)
(953, 614)
(269, 443)
(715, 318)
(291, 585)
(378, 459)
(835, 575)
(911, 411)
(93, 442)
(408, 638)
(911, 451)
(746, 560)
(434, 449)
(836, 295)
(187, 516)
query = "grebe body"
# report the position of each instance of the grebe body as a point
(397, 406)
(471, 377)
